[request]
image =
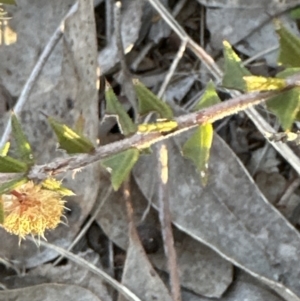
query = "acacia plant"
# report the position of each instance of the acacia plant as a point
(32, 202)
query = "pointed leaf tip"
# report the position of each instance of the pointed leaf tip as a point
(289, 51)
(113, 107)
(209, 97)
(120, 165)
(23, 147)
(54, 185)
(233, 69)
(70, 140)
(149, 102)
(197, 148)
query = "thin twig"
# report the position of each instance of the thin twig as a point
(127, 78)
(166, 221)
(36, 72)
(89, 266)
(109, 20)
(87, 225)
(144, 140)
(172, 69)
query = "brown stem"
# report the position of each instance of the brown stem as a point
(166, 221)
(144, 140)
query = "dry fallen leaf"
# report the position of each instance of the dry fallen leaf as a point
(202, 270)
(230, 215)
(69, 77)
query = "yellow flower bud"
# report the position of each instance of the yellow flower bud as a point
(31, 209)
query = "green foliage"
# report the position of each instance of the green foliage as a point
(209, 98)
(160, 126)
(289, 53)
(4, 150)
(197, 148)
(113, 107)
(54, 185)
(23, 147)
(11, 185)
(288, 72)
(295, 13)
(11, 2)
(149, 102)
(234, 71)
(120, 165)
(261, 83)
(286, 106)
(11, 165)
(70, 140)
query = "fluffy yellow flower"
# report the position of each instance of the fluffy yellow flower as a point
(31, 209)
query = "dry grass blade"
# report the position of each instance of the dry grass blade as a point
(83, 263)
(166, 221)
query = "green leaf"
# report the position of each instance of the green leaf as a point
(286, 106)
(261, 83)
(295, 13)
(113, 107)
(233, 69)
(54, 185)
(209, 98)
(197, 148)
(149, 102)
(70, 140)
(11, 185)
(120, 165)
(4, 150)
(289, 52)
(9, 164)
(288, 72)
(12, 2)
(23, 147)
(1, 212)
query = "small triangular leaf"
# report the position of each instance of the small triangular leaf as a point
(23, 147)
(113, 107)
(120, 165)
(9, 164)
(233, 69)
(69, 140)
(149, 102)
(261, 83)
(289, 52)
(10, 185)
(4, 150)
(54, 185)
(1, 211)
(288, 72)
(209, 97)
(286, 106)
(197, 148)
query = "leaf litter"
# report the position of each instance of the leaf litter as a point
(203, 274)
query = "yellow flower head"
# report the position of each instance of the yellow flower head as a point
(31, 209)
